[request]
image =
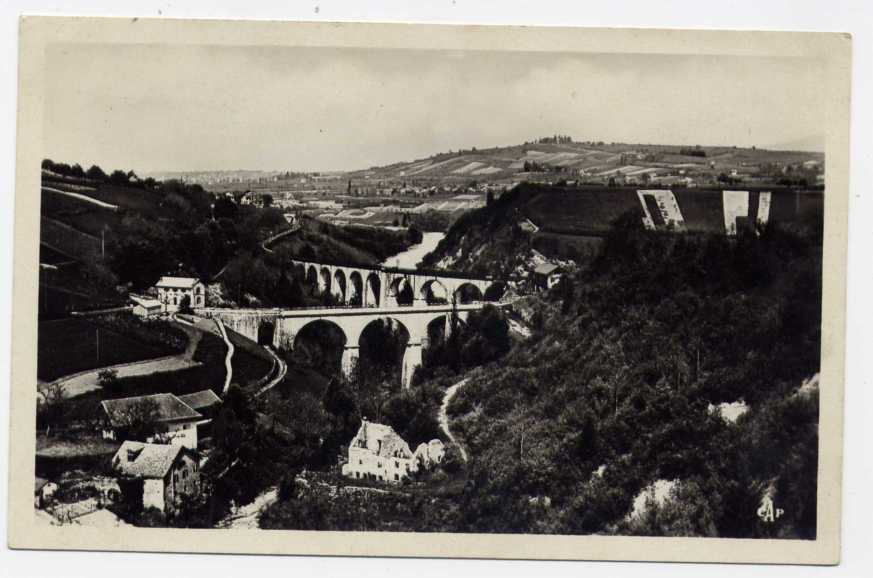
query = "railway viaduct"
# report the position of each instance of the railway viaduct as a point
(281, 326)
(381, 286)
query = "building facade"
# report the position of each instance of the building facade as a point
(173, 290)
(165, 474)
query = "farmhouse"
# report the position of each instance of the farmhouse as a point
(378, 453)
(156, 475)
(174, 420)
(546, 276)
(172, 290)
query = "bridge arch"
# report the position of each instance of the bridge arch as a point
(339, 285)
(401, 291)
(494, 291)
(321, 343)
(373, 290)
(266, 332)
(355, 289)
(312, 277)
(383, 348)
(324, 281)
(467, 292)
(434, 292)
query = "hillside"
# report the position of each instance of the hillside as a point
(634, 379)
(567, 222)
(103, 234)
(596, 162)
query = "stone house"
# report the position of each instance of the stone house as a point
(156, 475)
(378, 453)
(172, 290)
(175, 421)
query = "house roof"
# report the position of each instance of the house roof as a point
(145, 301)
(140, 460)
(546, 268)
(382, 440)
(168, 407)
(177, 282)
(200, 399)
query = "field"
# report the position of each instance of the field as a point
(210, 375)
(67, 346)
(68, 240)
(85, 217)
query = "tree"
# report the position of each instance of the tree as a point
(185, 305)
(489, 198)
(118, 177)
(107, 378)
(140, 421)
(267, 200)
(52, 405)
(95, 173)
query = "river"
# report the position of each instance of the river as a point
(410, 258)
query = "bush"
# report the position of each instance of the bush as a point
(452, 462)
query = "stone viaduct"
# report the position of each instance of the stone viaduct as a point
(280, 327)
(380, 286)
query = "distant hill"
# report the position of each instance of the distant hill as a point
(592, 162)
(556, 159)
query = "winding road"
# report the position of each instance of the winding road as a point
(280, 374)
(86, 381)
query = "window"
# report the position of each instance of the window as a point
(357, 474)
(397, 464)
(360, 462)
(184, 474)
(396, 477)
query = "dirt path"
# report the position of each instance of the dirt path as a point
(246, 517)
(444, 416)
(228, 360)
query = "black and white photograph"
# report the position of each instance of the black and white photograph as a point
(432, 290)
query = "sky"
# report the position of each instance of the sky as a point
(187, 108)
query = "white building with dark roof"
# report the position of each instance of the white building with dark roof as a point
(378, 453)
(172, 290)
(176, 421)
(156, 475)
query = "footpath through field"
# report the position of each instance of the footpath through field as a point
(444, 416)
(86, 381)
